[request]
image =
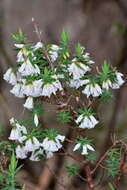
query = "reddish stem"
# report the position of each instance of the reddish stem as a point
(89, 177)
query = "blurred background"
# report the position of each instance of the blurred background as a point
(100, 26)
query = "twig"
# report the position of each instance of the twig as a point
(89, 177)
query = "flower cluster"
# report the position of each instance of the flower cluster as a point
(49, 143)
(50, 71)
(83, 144)
(86, 119)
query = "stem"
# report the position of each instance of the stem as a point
(89, 177)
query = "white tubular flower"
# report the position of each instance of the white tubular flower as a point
(36, 120)
(53, 52)
(92, 89)
(13, 121)
(23, 52)
(17, 90)
(29, 103)
(53, 145)
(49, 145)
(27, 68)
(106, 84)
(78, 69)
(32, 144)
(119, 81)
(20, 46)
(34, 89)
(10, 76)
(77, 83)
(35, 155)
(84, 148)
(86, 121)
(49, 89)
(21, 152)
(38, 45)
(17, 132)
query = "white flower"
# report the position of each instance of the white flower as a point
(106, 84)
(54, 47)
(78, 69)
(29, 103)
(36, 121)
(20, 46)
(51, 145)
(86, 122)
(13, 121)
(21, 152)
(35, 155)
(28, 69)
(32, 144)
(22, 54)
(53, 52)
(17, 132)
(85, 148)
(39, 45)
(49, 89)
(119, 81)
(17, 90)
(33, 89)
(92, 89)
(77, 83)
(10, 76)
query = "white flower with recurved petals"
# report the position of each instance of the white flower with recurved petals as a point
(29, 103)
(119, 81)
(32, 144)
(27, 68)
(18, 91)
(84, 148)
(93, 90)
(10, 76)
(21, 152)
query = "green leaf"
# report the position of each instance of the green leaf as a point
(111, 186)
(72, 169)
(64, 117)
(19, 37)
(64, 38)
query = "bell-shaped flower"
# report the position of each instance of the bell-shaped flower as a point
(92, 89)
(53, 145)
(35, 156)
(33, 89)
(29, 103)
(32, 144)
(84, 148)
(39, 45)
(21, 152)
(119, 81)
(51, 88)
(106, 84)
(27, 68)
(53, 53)
(78, 69)
(86, 120)
(77, 83)
(18, 91)
(18, 133)
(10, 76)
